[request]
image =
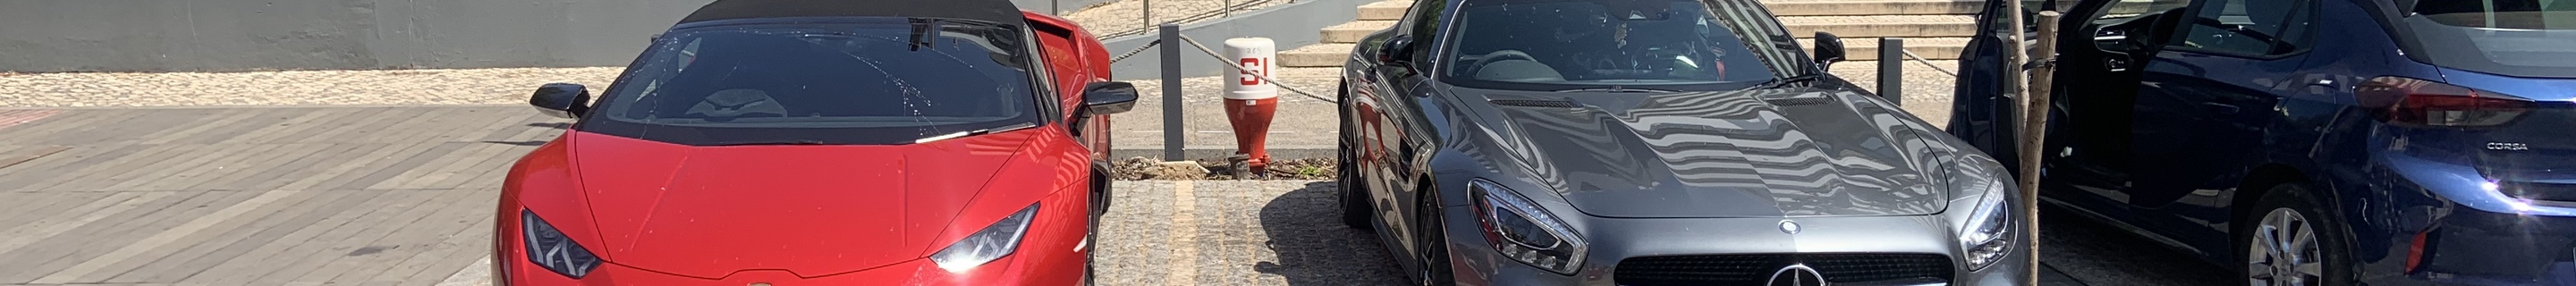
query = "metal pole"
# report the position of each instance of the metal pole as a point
(1174, 137)
(1891, 69)
(1149, 13)
(1055, 7)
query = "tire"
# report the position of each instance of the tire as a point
(1434, 242)
(1356, 210)
(2271, 236)
(1091, 235)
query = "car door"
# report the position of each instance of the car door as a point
(2205, 99)
(2101, 48)
(1982, 110)
(1386, 113)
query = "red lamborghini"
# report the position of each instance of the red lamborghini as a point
(819, 142)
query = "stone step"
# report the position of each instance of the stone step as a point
(1353, 31)
(1317, 55)
(1872, 7)
(1385, 10)
(1910, 26)
(1866, 49)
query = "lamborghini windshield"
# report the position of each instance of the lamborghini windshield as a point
(885, 81)
(1580, 44)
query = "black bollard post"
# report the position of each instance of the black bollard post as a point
(1891, 69)
(1174, 136)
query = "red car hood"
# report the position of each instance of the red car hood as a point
(812, 210)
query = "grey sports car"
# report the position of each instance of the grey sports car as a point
(1653, 142)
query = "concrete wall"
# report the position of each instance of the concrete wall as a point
(1288, 25)
(237, 35)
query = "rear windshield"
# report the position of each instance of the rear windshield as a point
(2526, 38)
(1588, 44)
(872, 82)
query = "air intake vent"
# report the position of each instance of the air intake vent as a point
(1755, 269)
(1535, 103)
(2539, 191)
(1798, 101)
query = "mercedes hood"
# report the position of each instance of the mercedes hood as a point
(1757, 153)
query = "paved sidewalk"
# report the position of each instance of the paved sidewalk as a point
(254, 196)
(402, 196)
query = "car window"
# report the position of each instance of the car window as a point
(2531, 38)
(1423, 20)
(1562, 45)
(2127, 15)
(2250, 27)
(902, 80)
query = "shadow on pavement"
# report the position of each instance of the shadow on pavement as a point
(1314, 248)
(2098, 254)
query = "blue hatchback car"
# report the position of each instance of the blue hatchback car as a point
(2310, 142)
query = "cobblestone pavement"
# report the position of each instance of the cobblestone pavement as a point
(1288, 233)
(1235, 233)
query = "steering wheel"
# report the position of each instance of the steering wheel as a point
(1497, 56)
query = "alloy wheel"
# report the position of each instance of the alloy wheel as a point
(2284, 251)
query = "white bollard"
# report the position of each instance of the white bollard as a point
(1255, 55)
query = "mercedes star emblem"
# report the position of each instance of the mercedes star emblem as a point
(1796, 275)
(1790, 227)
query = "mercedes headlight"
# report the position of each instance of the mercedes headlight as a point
(1523, 232)
(1986, 236)
(550, 249)
(986, 245)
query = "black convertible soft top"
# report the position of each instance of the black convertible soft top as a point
(997, 11)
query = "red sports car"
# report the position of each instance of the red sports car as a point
(822, 142)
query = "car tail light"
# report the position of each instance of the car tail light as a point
(2418, 102)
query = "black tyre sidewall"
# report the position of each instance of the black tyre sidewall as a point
(1435, 242)
(2333, 235)
(1355, 207)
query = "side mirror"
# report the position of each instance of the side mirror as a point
(564, 100)
(1829, 50)
(1396, 51)
(1102, 98)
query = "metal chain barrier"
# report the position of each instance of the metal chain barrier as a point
(1262, 76)
(1928, 63)
(1139, 50)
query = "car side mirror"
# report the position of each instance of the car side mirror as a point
(1108, 97)
(1396, 51)
(564, 100)
(1829, 50)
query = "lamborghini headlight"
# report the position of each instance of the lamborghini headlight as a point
(550, 249)
(1986, 237)
(1523, 232)
(986, 245)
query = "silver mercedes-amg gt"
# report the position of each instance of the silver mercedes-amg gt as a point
(1653, 142)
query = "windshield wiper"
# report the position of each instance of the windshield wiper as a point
(976, 132)
(788, 142)
(1782, 82)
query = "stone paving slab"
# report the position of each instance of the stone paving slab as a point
(253, 196)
